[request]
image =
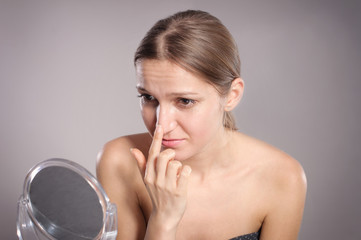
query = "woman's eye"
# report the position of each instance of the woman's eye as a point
(186, 102)
(146, 98)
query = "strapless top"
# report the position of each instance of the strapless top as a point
(250, 236)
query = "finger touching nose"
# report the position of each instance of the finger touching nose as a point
(165, 118)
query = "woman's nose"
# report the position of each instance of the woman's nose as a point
(165, 117)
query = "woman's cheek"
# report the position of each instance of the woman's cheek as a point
(199, 124)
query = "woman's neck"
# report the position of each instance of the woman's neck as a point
(216, 157)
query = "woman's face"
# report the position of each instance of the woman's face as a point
(187, 107)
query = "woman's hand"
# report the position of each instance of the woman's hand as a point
(166, 181)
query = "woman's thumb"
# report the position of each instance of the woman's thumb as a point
(141, 161)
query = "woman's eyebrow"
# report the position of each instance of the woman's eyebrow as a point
(184, 93)
(181, 93)
(141, 89)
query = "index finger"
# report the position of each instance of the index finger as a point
(156, 145)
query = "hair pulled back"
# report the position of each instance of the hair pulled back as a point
(198, 42)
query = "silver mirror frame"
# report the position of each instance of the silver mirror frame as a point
(27, 225)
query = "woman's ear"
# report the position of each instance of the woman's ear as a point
(235, 94)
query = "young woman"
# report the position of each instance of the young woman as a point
(194, 176)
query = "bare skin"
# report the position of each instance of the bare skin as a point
(229, 185)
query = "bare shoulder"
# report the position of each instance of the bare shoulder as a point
(275, 165)
(119, 145)
(281, 182)
(115, 154)
(117, 169)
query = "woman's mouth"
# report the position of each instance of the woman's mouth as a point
(171, 143)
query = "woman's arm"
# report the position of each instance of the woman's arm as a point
(118, 173)
(286, 202)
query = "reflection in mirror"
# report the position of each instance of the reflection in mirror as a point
(62, 200)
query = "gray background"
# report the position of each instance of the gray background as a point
(67, 86)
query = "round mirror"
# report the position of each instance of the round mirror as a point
(62, 200)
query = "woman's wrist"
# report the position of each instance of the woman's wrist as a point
(160, 228)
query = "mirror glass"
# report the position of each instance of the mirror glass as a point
(62, 200)
(61, 197)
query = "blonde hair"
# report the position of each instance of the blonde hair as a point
(198, 42)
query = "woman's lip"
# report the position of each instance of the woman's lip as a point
(171, 143)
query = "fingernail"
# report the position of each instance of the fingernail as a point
(131, 150)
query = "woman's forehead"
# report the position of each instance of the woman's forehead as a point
(167, 74)
(159, 68)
